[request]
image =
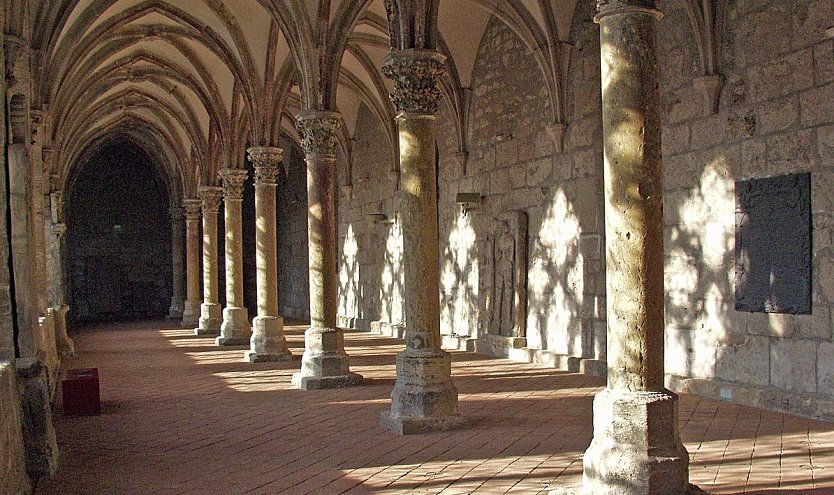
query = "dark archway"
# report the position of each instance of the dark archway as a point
(118, 237)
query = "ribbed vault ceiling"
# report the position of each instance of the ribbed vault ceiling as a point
(195, 82)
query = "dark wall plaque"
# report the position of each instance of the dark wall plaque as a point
(773, 244)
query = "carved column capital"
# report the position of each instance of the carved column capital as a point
(609, 7)
(267, 161)
(176, 213)
(416, 74)
(319, 132)
(233, 180)
(13, 47)
(192, 208)
(211, 197)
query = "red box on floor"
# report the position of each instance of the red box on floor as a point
(80, 392)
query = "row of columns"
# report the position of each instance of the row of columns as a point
(636, 448)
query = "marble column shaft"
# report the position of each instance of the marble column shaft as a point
(324, 363)
(191, 307)
(235, 329)
(636, 449)
(177, 262)
(268, 342)
(211, 315)
(424, 398)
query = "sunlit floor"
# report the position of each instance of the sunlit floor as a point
(183, 416)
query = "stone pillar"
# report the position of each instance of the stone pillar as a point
(177, 262)
(191, 308)
(63, 342)
(636, 448)
(210, 312)
(424, 398)
(268, 342)
(40, 441)
(235, 329)
(324, 363)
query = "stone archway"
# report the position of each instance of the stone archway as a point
(118, 237)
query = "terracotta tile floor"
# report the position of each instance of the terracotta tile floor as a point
(183, 416)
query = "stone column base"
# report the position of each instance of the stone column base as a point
(63, 342)
(176, 309)
(211, 318)
(424, 398)
(235, 329)
(325, 363)
(417, 426)
(267, 343)
(636, 449)
(190, 313)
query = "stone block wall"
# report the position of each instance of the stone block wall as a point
(370, 254)
(13, 478)
(293, 277)
(514, 165)
(776, 117)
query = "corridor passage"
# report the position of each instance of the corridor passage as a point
(183, 416)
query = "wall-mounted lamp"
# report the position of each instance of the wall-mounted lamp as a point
(379, 219)
(468, 201)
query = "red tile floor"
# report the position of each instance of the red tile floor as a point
(183, 416)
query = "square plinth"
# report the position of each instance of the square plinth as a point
(322, 382)
(416, 426)
(231, 341)
(262, 357)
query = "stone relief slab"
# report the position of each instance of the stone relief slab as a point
(506, 267)
(773, 244)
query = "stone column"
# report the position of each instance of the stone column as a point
(210, 312)
(177, 262)
(63, 342)
(235, 329)
(268, 342)
(636, 448)
(191, 308)
(424, 398)
(324, 363)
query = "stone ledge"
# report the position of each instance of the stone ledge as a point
(771, 398)
(513, 348)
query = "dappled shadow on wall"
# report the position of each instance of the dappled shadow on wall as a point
(699, 278)
(556, 281)
(459, 279)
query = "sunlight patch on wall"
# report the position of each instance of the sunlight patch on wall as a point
(459, 279)
(349, 276)
(699, 271)
(555, 281)
(391, 291)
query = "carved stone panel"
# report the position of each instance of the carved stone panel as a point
(773, 244)
(506, 302)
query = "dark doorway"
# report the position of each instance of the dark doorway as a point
(118, 237)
